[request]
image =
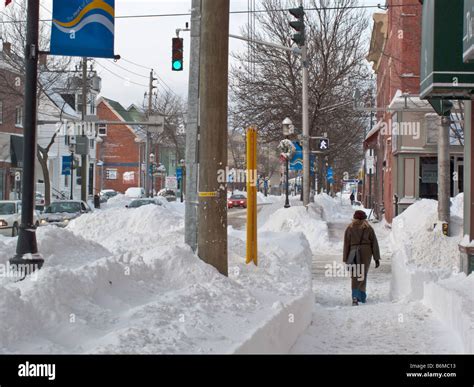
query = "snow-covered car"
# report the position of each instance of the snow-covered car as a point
(10, 217)
(168, 194)
(60, 213)
(107, 194)
(137, 203)
(135, 193)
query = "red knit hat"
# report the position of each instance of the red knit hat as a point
(360, 215)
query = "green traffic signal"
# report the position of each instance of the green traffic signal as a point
(177, 65)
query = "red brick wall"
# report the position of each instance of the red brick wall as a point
(118, 147)
(12, 96)
(401, 58)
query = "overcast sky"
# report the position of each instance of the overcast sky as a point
(147, 42)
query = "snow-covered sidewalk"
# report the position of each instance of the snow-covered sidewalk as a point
(378, 327)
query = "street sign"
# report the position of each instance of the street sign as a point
(443, 72)
(179, 173)
(323, 144)
(83, 28)
(171, 183)
(82, 145)
(66, 166)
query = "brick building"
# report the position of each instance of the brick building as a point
(404, 139)
(119, 149)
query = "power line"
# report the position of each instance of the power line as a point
(241, 12)
(127, 70)
(119, 76)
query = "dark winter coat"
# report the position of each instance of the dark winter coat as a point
(360, 232)
(369, 245)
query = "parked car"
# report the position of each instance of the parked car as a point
(107, 194)
(168, 194)
(39, 201)
(237, 200)
(10, 217)
(60, 213)
(137, 203)
(135, 193)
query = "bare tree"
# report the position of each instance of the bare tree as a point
(53, 72)
(336, 47)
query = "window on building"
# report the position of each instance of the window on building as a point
(1, 112)
(111, 174)
(429, 178)
(19, 116)
(102, 130)
(91, 143)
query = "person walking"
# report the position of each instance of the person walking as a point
(352, 198)
(360, 245)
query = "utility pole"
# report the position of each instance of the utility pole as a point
(212, 226)
(26, 244)
(305, 107)
(444, 172)
(148, 139)
(192, 130)
(84, 156)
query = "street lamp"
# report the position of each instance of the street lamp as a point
(288, 129)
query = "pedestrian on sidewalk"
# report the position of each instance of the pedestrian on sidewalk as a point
(360, 245)
(352, 197)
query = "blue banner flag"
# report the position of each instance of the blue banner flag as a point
(83, 28)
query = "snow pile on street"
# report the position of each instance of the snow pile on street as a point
(457, 206)
(122, 281)
(452, 300)
(333, 209)
(421, 252)
(299, 219)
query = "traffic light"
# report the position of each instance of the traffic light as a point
(298, 25)
(177, 61)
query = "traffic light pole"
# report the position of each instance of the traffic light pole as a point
(305, 108)
(26, 245)
(192, 130)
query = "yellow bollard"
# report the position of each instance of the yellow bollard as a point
(252, 195)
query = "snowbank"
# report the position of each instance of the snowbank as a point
(420, 253)
(333, 209)
(122, 281)
(303, 220)
(452, 300)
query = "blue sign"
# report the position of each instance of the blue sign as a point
(330, 175)
(66, 166)
(296, 163)
(83, 28)
(179, 173)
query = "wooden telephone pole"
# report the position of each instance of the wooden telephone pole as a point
(212, 226)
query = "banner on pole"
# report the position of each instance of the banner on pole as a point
(83, 28)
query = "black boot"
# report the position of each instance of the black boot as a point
(355, 301)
